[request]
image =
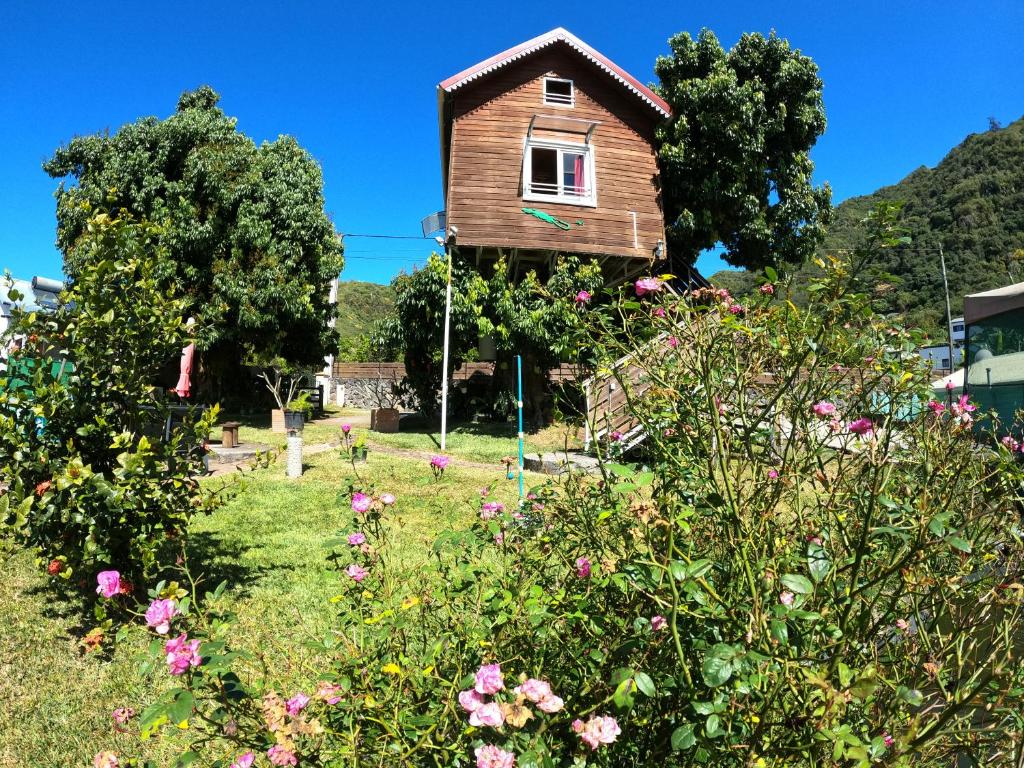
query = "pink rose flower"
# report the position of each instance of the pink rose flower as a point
(616, 436)
(489, 680)
(599, 730)
(1009, 443)
(673, 342)
(491, 509)
(658, 623)
(824, 408)
(577, 725)
(887, 740)
(387, 499)
(105, 760)
(330, 693)
(346, 428)
(863, 427)
(583, 567)
(936, 407)
(550, 704)
(296, 703)
(902, 624)
(471, 700)
(647, 285)
(439, 462)
(159, 615)
(244, 761)
(490, 756)
(109, 583)
(182, 654)
(355, 539)
(356, 572)
(582, 297)
(122, 715)
(767, 289)
(786, 598)
(487, 714)
(735, 309)
(360, 502)
(278, 755)
(534, 690)
(773, 474)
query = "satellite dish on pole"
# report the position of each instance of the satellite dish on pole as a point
(435, 222)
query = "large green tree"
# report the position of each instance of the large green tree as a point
(246, 241)
(735, 163)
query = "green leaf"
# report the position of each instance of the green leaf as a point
(912, 696)
(779, 632)
(186, 759)
(712, 727)
(717, 666)
(644, 683)
(181, 708)
(797, 583)
(623, 696)
(683, 738)
(818, 562)
(957, 543)
(771, 274)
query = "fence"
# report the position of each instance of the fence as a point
(362, 383)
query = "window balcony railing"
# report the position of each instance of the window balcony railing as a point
(555, 190)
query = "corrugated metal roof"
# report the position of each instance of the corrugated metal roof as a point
(558, 35)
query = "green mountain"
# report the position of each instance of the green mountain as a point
(360, 306)
(971, 204)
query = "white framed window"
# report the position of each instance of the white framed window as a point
(559, 172)
(559, 92)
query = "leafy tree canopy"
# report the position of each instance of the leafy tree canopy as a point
(735, 163)
(245, 240)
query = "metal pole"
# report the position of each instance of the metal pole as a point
(949, 321)
(519, 380)
(444, 361)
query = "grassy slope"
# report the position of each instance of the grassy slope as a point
(55, 702)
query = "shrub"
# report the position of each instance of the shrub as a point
(91, 480)
(811, 567)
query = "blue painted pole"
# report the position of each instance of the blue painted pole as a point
(519, 379)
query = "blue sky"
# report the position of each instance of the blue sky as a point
(355, 83)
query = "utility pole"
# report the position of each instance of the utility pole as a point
(444, 361)
(949, 315)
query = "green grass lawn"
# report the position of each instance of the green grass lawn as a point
(55, 701)
(485, 442)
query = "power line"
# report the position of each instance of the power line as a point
(386, 237)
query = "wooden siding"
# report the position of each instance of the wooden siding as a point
(490, 122)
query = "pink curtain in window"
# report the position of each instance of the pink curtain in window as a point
(578, 173)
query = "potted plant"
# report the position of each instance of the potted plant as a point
(296, 411)
(353, 446)
(282, 381)
(359, 449)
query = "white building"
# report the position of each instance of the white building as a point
(938, 355)
(39, 293)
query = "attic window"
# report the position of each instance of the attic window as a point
(558, 92)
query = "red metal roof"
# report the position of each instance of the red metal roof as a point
(558, 35)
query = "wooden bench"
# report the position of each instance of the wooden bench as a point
(229, 434)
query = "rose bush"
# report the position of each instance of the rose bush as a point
(809, 566)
